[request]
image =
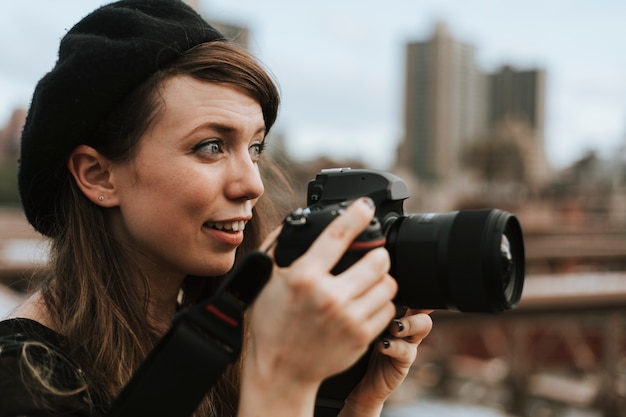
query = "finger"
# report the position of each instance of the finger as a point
(369, 291)
(379, 318)
(334, 240)
(367, 320)
(402, 351)
(412, 328)
(375, 304)
(368, 271)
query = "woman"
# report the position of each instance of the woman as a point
(141, 159)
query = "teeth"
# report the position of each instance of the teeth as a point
(234, 226)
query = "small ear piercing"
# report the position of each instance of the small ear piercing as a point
(101, 197)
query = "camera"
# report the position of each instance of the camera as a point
(467, 260)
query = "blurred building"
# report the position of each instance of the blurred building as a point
(519, 93)
(10, 134)
(445, 104)
(239, 34)
(518, 96)
(453, 108)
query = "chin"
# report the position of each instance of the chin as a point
(219, 266)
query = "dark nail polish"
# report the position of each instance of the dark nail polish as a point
(400, 325)
(386, 344)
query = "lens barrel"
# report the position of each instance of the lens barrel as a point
(468, 260)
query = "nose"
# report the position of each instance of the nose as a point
(244, 180)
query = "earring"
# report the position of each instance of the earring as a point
(101, 197)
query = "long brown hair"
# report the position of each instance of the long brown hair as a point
(90, 296)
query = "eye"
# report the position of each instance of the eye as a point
(210, 147)
(256, 150)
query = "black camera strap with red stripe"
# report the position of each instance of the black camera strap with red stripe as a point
(195, 352)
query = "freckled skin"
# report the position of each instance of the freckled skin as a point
(195, 164)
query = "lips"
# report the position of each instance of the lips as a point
(228, 226)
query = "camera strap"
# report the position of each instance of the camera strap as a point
(195, 352)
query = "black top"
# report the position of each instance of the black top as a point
(26, 345)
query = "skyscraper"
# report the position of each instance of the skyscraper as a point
(451, 105)
(445, 105)
(518, 97)
(519, 93)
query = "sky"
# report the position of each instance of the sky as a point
(340, 64)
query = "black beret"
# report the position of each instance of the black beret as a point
(101, 60)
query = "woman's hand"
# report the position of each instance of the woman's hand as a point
(389, 365)
(308, 324)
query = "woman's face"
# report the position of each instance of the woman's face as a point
(186, 196)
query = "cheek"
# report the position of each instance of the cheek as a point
(181, 200)
(161, 183)
(175, 196)
(150, 198)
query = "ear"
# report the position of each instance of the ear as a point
(92, 172)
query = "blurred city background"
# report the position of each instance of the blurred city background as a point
(468, 135)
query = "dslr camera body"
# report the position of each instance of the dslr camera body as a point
(468, 260)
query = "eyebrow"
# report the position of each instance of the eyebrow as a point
(223, 128)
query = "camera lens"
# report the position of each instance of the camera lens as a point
(506, 260)
(512, 261)
(471, 260)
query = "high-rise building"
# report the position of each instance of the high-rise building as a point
(520, 93)
(444, 105)
(518, 96)
(451, 105)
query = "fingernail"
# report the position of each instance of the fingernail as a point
(368, 201)
(386, 343)
(399, 325)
